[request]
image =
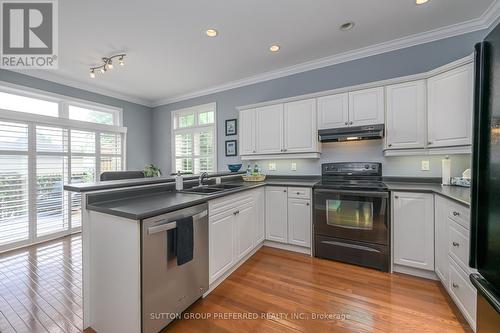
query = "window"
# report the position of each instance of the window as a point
(194, 140)
(38, 155)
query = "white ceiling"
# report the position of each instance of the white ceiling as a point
(169, 56)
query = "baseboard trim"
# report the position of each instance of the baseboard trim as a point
(224, 276)
(288, 247)
(430, 275)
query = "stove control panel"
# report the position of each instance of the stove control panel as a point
(352, 168)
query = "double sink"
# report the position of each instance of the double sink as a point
(211, 189)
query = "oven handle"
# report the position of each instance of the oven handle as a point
(365, 194)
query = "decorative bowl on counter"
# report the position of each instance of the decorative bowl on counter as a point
(234, 167)
(256, 178)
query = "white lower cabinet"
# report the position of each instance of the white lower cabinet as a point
(413, 223)
(289, 215)
(299, 222)
(235, 229)
(452, 255)
(276, 214)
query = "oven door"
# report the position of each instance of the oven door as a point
(353, 215)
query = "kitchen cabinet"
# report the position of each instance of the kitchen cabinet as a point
(366, 107)
(276, 214)
(413, 227)
(333, 111)
(300, 127)
(269, 129)
(299, 222)
(441, 239)
(260, 197)
(221, 244)
(406, 115)
(247, 132)
(235, 229)
(450, 106)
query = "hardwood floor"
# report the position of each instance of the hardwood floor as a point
(40, 291)
(41, 287)
(356, 299)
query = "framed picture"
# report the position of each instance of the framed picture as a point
(231, 127)
(231, 149)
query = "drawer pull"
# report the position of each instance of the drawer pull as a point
(456, 214)
(284, 191)
(307, 204)
(455, 285)
(455, 244)
(236, 212)
(396, 197)
(298, 193)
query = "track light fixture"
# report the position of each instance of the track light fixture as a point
(107, 64)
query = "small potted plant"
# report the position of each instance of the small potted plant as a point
(152, 170)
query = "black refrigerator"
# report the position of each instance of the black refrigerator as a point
(485, 190)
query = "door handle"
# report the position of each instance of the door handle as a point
(169, 225)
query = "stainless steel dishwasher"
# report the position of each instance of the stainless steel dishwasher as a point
(169, 289)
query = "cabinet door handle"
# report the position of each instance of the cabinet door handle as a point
(455, 244)
(307, 204)
(284, 191)
(347, 123)
(390, 144)
(456, 214)
(396, 197)
(254, 151)
(350, 123)
(298, 193)
(236, 212)
(455, 285)
(429, 143)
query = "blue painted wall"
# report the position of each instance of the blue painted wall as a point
(137, 118)
(412, 60)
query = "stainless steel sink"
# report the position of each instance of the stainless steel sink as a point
(211, 189)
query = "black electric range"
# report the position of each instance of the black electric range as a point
(351, 215)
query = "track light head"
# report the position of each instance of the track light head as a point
(107, 64)
(92, 74)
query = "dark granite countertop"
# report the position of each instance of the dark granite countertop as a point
(456, 193)
(139, 207)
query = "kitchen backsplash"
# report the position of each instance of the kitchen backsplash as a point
(366, 151)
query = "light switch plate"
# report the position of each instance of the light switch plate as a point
(425, 166)
(293, 166)
(272, 166)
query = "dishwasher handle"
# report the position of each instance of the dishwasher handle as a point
(169, 225)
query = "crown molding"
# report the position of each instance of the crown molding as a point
(52, 77)
(481, 23)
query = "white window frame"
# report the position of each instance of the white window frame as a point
(62, 121)
(175, 130)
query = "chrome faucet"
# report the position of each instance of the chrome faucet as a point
(203, 175)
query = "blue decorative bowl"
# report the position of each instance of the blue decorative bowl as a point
(234, 167)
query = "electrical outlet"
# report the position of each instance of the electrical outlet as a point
(293, 166)
(425, 166)
(272, 166)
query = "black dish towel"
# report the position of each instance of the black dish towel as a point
(184, 241)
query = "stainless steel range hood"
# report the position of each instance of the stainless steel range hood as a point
(356, 133)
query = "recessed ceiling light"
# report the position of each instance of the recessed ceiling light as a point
(421, 2)
(274, 48)
(211, 33)
(347, 26)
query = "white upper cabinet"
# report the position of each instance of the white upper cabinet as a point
(247, 132)
(413, 225)
(300, 127)
(405, 118)
(333, 111)
(366, 107)
(450, 105)
(269, 130)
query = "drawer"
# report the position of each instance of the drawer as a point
(299, 192)
(459, 213)
(462, 292)
(458, 243)
(230, 202)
